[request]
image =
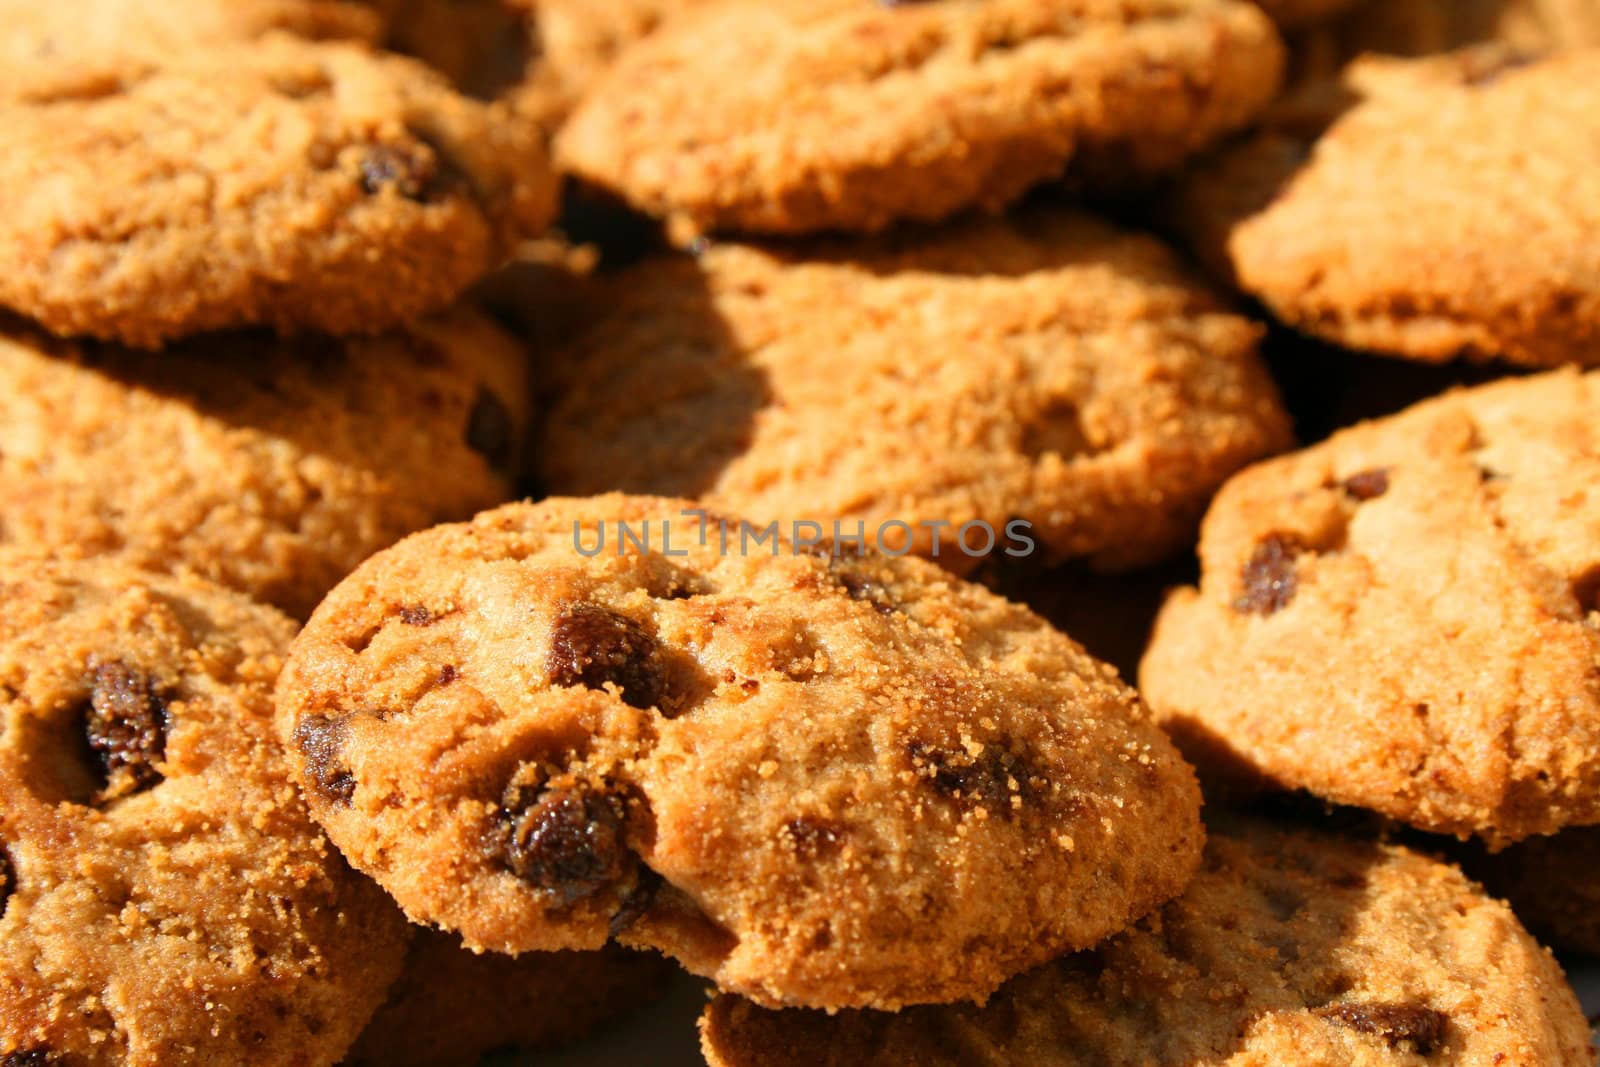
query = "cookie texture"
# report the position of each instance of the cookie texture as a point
(1406, 618)
(452, 1007)
(1297, 948)
(578, 41)
(167, 899)
(817, 779)
(849, 115)
(1553, 883)
(299, 185)
(85, 46)
(270, 465)
(1046, 368)
(1414, 225)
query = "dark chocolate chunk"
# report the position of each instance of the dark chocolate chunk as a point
(1269, 581)
(126, 727)
(321, 741)
(565, 839)
(592, 647)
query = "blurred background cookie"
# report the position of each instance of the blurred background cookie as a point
(270, 465)
(1047, 368)
(842, 115)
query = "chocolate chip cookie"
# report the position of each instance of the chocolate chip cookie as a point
(817, 777)
(452, 1007)
(271, 465)
(85, 45)
(852, 114)
(1288, 948)
(1406, 618)
(166, 898)
(1415, 225)
(579, 40)
(299, 185)
(1044, 368)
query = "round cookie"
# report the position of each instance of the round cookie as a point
(1045, 367)
(828, 780)
(167, 899)
(1553, 883)
(1414, 226)
(452, 1007)
(1404, 618)
(1288, 948)
(300, 185)
(852, 114)
(85, 45)
(273, 466)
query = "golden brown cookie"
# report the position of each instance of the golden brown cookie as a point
(87, 45)
(1289, 948)
(580, 40)
(166, 898)
(452, 1007)
(1406, 618)
(1416, 226)
(299, 185)
(852, 114)
(817, 779)
(1046, 368)
(273, 466)
(1553, 883)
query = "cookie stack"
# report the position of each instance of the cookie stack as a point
(855, 324)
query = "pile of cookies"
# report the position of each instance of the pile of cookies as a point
(505, 500)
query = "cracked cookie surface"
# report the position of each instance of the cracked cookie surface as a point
(270, 465)
(1067, 373)
(1406, 618)
(1415, 226)
(166, 897)
(817, 780)
(1288, 947)
(852, 114)
(285, 183)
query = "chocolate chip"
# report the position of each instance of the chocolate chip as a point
(1368, 485)
(8, 881)
(33, 1057)
(1422, 1028)
(565, 839)
(1268, 577)
(812, 836)
(418, 170)
(126, 726)
(593, 647)
(985, 780)
(417, 615)
(636, 903)
(321, 741)
(1586, 590)
(489, 428)
(859, 587)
